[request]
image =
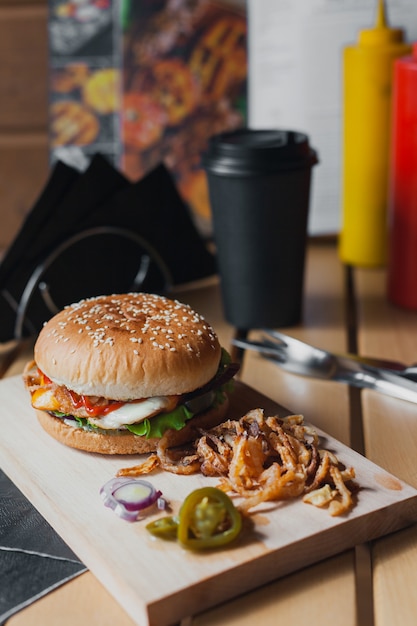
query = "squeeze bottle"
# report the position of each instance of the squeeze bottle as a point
(368, 69)
(402, 206)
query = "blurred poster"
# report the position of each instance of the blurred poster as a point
(84, 80)
(145, 82)
(295, 59)
(184, 79)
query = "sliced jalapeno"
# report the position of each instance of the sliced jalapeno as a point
(164, 527)
(208, 519)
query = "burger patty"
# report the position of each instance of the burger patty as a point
(49, 396)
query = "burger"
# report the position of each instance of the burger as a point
(114, 374)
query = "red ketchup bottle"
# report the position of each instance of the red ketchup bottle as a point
(402, 206)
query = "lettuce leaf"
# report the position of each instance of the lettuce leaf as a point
(176, 419)
(157, 425)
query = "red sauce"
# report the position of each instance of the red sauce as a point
(103, 407)
(91, 408)
(44, 378)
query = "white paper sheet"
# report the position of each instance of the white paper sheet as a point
(295, 78)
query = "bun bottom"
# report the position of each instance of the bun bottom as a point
(127, 442)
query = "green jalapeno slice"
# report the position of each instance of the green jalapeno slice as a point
(164, 527)
(208, 519)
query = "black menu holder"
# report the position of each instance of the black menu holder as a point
(97, 233)
(61, 179)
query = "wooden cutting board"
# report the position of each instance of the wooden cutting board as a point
(157, 582)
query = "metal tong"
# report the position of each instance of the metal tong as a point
(388, 377)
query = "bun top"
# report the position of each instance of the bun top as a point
(129, 346)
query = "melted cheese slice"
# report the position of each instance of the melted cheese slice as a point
(44, 400)
(131, 413)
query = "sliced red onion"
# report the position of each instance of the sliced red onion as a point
(127, 497)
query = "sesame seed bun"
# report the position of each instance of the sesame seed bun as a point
(129, 346)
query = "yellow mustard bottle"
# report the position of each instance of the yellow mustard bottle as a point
(367, 85)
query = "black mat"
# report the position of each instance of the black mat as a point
(33, 558)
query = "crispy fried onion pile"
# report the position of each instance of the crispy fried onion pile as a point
(261, 459)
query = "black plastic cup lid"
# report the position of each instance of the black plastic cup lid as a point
(246, 151)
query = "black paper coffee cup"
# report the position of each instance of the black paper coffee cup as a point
(259, 187)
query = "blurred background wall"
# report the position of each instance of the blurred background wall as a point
(23, 110)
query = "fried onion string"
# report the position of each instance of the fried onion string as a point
(261, 459)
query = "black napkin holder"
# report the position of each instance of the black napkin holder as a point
(96, 233)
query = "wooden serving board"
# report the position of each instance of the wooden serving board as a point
(157, 582)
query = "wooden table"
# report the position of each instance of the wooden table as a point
(370, 585)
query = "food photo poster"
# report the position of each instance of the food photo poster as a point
(145, 82)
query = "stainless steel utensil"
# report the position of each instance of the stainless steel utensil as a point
(295, 356)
